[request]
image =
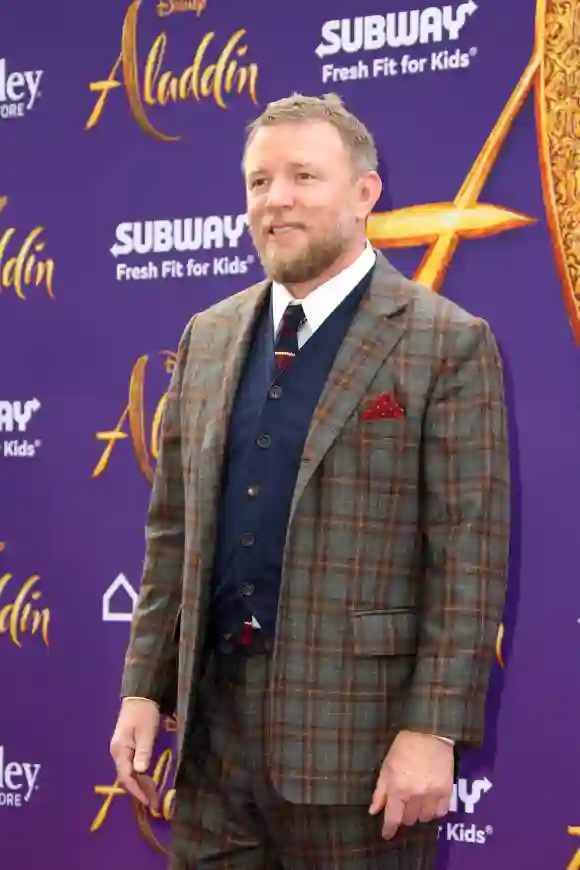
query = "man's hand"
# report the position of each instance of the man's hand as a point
(131, 748)
(415, 783)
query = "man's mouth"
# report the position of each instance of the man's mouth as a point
(281, 229)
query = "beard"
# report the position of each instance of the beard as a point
(307, 264)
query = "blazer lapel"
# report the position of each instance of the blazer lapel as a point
(226, 364)
(370, 339)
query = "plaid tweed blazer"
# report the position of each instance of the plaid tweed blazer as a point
(396, 556)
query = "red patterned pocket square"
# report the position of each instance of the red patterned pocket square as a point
(382, 407)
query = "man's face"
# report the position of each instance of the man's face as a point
(305, 206)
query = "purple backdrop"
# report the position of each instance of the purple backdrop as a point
(121, 214)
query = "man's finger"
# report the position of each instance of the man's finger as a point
(394, 810)
(149, 789)
(442, 807)
(133, 786)
(427, 810)
(412, 810)
(379, 796)
(143, 752)
(122, 755)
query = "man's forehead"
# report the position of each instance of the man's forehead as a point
(291, 162)
(296, 144)
(295, 130)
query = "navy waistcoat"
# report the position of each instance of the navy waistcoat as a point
(268, 426)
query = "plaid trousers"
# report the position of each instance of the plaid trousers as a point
(228, 815)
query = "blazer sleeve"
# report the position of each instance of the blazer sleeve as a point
(150, 669)
(465, 505)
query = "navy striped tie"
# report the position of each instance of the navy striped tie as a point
(287, 341)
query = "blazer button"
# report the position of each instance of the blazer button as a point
(247, 589)
(276, 391)
(253, 490)
(247, 540)
(264, 441)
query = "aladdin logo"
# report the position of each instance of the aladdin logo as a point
(168, 7)
(19, 91)
(151, 85)
(20, 266)
(18, 781)
(132, 419)
(20, 617)
(395, 29)
(163, 775)
(14, 419)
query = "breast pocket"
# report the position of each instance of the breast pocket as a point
(384, 632)
(371, 430)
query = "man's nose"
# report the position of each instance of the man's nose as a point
(280, 193)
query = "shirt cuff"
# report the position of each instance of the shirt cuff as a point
(444, 739)
(138, 698)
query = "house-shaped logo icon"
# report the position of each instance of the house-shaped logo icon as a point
(119, 601)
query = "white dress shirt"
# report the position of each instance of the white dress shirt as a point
(321, 302)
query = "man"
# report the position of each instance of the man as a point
(327, 540)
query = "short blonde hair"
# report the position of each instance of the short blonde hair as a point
(301, 109)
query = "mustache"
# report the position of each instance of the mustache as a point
(273, 224)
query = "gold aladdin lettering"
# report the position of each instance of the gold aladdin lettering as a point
(201, 80)
(20, 616)
(20, 266)
(134, 415)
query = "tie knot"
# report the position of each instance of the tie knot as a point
(294, 316)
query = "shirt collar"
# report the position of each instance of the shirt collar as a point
(322, 301)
